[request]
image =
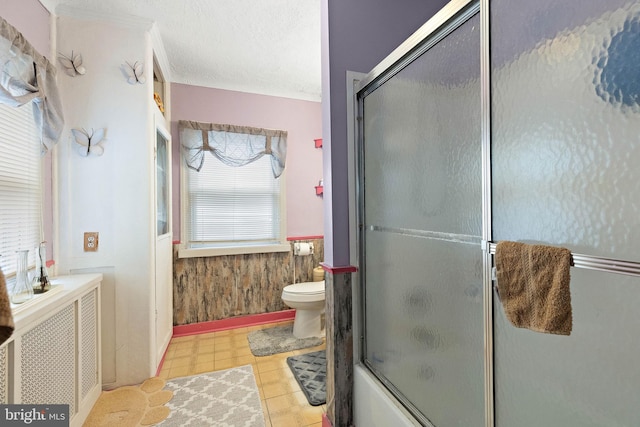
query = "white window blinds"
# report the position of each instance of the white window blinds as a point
(234, 206)
(20, 185)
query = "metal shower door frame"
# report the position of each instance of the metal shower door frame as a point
(448, 19)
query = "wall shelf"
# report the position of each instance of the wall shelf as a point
(319, 188)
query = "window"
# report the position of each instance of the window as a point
(233, 209)
(20, 189)
(162, 184)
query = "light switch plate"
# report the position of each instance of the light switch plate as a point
(91, 241)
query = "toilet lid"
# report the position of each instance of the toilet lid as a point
(307, 288)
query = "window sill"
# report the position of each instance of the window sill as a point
(208, 252)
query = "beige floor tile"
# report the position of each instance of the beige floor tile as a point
(182, 346)
(207, 336)
(282, 404)
(275, 357)
(180, 362)
(230, 332)
(177, 340)
(186, 351)
(233, 362)
(271, 365)
(311, 349)
(286, 420)
(243, 350)
(179, 372)
(265, 411)
(276, 375)
(257, 376)
(278, 389)
(204, 358)
(239, 342)
(204, 367)
(223, 344)
(278, 382)
(206, 347)
(223, 354)
(282, 322)
(226, 343)
(262, 395)
(232, 353)
(293, 408)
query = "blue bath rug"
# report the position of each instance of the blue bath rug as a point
(310, 370)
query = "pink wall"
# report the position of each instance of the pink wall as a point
(32, 20)
(301, 119)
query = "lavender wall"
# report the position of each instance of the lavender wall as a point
(32, 20)
(357, 35)
(301, 119)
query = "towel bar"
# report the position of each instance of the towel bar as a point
(591, 262)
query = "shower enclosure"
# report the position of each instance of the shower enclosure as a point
(502, 120)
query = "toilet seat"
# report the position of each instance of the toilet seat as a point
(304, 292)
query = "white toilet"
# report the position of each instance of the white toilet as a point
(308, 300)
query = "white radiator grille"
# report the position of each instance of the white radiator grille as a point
(89, 344)
(42, 381)
(3, 375)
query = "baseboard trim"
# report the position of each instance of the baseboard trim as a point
(232, 323)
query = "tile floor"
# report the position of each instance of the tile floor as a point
(283, 402)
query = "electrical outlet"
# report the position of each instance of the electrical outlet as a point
(91, 241)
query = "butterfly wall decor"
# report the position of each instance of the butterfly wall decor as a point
(136, 73)
(89, 144)
(72, 64)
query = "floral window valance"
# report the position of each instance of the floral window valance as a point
(27, 76)
(232, 145)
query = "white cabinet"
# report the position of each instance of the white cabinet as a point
(53, 356)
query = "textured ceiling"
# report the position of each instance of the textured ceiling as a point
(269, 47)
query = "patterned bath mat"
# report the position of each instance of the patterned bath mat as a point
(278, 339)
(228, 398)
(310, 370)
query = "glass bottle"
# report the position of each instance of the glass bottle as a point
(22, 290)
(41, 282)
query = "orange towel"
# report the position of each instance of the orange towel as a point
(6, 317)
(533, 283)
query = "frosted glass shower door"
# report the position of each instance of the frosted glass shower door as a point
(565, 172)
(421, 257)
